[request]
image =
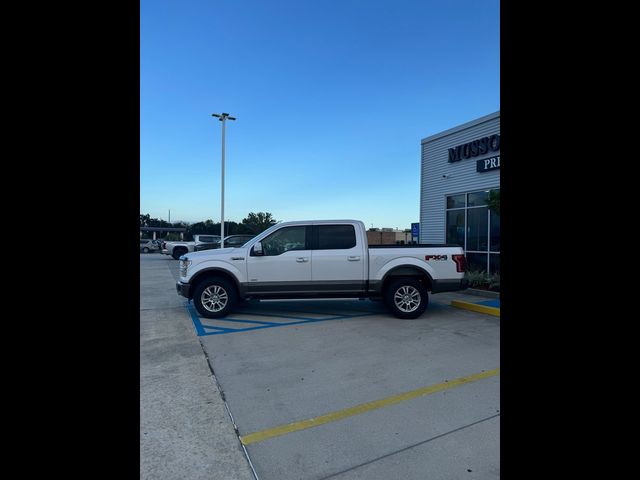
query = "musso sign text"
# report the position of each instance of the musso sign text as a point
(475, 148)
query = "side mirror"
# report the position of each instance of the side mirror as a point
(257, 249)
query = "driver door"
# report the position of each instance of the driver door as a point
(285, 266)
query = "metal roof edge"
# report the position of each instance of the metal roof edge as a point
(464, 126)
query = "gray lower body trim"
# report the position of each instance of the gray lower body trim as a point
(375, 287)
(438, 286)
(354, 288)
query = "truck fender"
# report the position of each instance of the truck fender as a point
(387, 268)
(213, 266)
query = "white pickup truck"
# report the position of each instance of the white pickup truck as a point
(320, 259)
(176, 249)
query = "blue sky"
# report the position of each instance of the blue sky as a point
(331, 97)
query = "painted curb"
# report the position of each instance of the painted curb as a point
(481, 293)
(476, 308)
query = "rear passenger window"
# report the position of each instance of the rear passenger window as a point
(336, 237)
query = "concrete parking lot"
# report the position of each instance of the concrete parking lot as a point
(339, 388)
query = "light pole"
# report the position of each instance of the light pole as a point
(223, 118)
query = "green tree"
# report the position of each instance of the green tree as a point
(144, 220)
(207, 228)
(147, 221)
(235, 228)
(253, 224)
(258, 222)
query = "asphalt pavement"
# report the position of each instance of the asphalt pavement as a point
(185, 428)
(316, 389)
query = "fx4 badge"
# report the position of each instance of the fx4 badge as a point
(435, 257)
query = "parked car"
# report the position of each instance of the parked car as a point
(147, 245)
(230, 241)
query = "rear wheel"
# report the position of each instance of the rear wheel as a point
(406, 297)
(145, 250)
(214, 297)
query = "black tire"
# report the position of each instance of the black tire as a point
(178, 252)
(145, 250)
(206, 302)
(406, 297)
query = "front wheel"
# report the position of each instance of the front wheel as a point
(214, 297)
(145, 250)
(407, 298)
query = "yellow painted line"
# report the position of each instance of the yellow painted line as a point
(362, 408)
(476, 308)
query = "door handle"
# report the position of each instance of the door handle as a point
(301, 259)
(353, 259)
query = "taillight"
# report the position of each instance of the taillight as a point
(461, 262)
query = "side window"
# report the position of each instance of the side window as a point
(237, 241)
(285, 239)
(336, 237)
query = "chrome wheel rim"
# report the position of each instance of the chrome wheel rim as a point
(214, 298)
(407, 299)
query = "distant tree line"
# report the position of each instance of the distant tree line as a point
(252, 224)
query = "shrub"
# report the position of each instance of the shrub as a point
(481, 279)
(494, 281)
(476, 278)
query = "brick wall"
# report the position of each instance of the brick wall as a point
(381, 238)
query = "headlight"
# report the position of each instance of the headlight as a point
(184, 265)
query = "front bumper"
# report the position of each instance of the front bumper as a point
(183, 289)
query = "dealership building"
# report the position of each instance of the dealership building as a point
(460, 173)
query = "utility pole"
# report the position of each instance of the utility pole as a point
(223, 118)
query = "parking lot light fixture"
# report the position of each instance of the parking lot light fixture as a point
(223, 117)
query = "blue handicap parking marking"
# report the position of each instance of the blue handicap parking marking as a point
(490, 303)
(279, 319)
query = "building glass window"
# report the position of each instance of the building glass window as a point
(477, 199)
(456, 201)
(476, 262)
(494, 233)
(476, 228)
(477, 223)
(494, 262)
(455, 227)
